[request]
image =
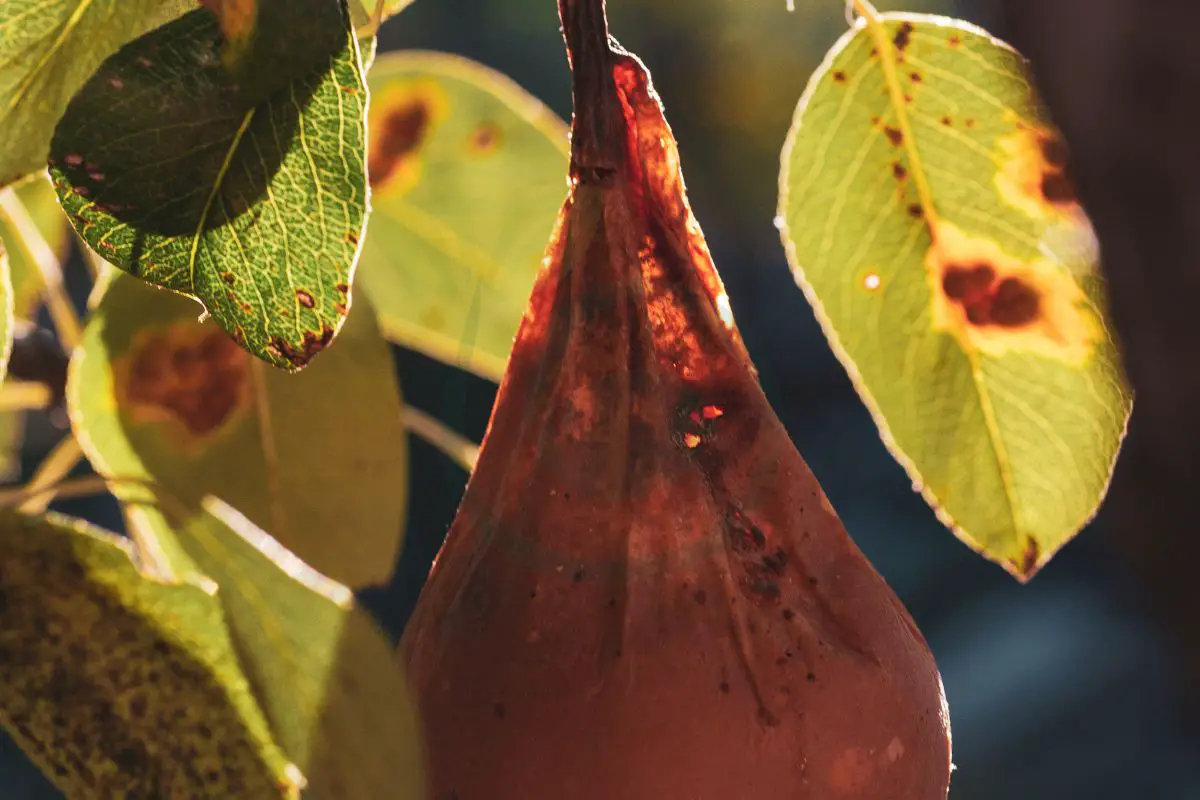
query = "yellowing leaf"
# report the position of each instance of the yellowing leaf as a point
(319, 458)
(928, 213)
(325, 675)
(467, 179)
(48, 49)
(122, 686)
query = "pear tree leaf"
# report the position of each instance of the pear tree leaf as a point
(37, 199)
(118, 685)
(326, 676)
(318, 458)
(362, 11)
(246, 189)
(927, 210)
(36, 195)
(48, 49)
(466, 181)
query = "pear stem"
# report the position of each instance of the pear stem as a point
(596, 140)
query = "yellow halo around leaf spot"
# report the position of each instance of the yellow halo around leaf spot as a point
(399, 122)
(1062, 324)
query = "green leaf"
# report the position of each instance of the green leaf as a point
(927, 211)
(253, 203)
(467, 178)
(6, 309)
(319, 459)
(362, 11)
(37, 196)
(118, 685)
(48, 49)
(326, 676)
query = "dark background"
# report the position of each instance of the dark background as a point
(1065, 688)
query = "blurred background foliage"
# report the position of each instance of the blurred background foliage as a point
(1058, 690)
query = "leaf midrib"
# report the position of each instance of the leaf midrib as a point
(887, 58)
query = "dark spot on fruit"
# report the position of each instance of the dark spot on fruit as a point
(1058, 188)
(499, 710)
(914, 210)
(577, 576)
(812, 677)
(701, 597)
(484, 138)
(402, 132)
(903, 36)
(839, 76)
(1014, 304)
(304, 298)
(899, 171)
(724, 687)
(533, 595)
(788, 614)
(894, 135)
(967, 283)
(199, 384)
(311, 343)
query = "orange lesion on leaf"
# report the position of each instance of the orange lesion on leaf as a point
(191, 378)
(399, 122)
(1034, 175)
(997, 303)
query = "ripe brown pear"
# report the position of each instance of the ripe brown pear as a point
(645, 594)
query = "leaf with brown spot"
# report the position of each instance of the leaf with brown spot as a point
(955, 277)
(262, 173)
(467, 176)
(149, 696)
(319, 459)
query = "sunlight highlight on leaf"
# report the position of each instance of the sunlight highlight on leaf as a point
(927, 210)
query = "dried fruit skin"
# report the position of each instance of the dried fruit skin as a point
(645, 594)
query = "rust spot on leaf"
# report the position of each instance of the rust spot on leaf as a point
(893, 134)
(899, 171)
(311, 344)
(915, 211)
(352, 238)
(404, 130)
(997, 303)
(1034, 175)
(304, 298)
(484, 139)
(1029, 558)
(192, 375)
(954, 40)
(400, 120)
(916, 77)
(947, 121)
(839, 76)
(903, 36)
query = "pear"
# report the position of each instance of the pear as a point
(645, 594)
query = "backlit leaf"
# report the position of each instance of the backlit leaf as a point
(37, 196)
(467, 179)
(362, 11)
(928, 213)
(319, 459)
(48, 49)
(247, 196)
(122, 686)
(325, 674)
